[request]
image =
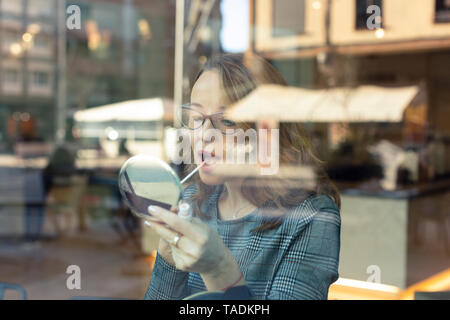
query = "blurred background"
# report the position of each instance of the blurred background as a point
(75, 77)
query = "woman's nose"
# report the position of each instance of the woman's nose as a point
(206, 133)
(207, 124)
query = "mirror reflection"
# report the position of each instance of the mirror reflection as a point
(146, 180)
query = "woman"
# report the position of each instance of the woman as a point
(279, 241)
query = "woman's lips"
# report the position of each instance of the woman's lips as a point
(210, 160)
(207, 167)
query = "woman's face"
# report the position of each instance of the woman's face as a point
(208, 97)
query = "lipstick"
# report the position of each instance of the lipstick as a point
(193, 172)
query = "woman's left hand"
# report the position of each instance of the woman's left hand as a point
(199, 248)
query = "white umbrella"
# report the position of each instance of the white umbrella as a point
(291, 104)
(131, 110)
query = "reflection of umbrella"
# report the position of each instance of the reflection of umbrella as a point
(140, 119)
(132, 110)
(290, 104)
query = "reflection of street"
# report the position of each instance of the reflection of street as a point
(106, 244)
(22, 187)
(101, 255)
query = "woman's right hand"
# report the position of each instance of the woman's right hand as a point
(164, 248)
(165, 251)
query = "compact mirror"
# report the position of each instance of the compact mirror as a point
(145, 180)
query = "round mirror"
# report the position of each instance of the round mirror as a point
(146, 180)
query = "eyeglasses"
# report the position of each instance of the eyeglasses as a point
(194, 119)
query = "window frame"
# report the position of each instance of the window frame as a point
(36, 77)
(7, 72)
(441, 15)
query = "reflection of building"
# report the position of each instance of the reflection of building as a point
(203, 22)
(319, 46)
(28, 57)
(282, 30)
(326, 44)
(124, 50)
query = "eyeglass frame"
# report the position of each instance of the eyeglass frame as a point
(205, 116)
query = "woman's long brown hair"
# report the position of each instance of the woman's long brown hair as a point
(239, 75)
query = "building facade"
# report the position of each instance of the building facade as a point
(322, 44)
(123, 50)
(27, 63)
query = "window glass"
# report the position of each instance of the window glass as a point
(311, 139)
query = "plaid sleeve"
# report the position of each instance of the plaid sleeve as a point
(310, 264)
(167, 282)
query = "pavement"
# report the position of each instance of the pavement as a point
(110, 267)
